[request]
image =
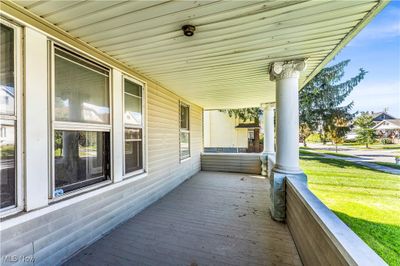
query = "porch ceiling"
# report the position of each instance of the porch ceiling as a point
(225, 64)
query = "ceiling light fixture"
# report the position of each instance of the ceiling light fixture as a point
(188, 30)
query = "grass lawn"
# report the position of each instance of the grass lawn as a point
(366, 200)
(375, 146)
(338, 154)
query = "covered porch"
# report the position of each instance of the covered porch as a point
(242, 54)
(214, 218)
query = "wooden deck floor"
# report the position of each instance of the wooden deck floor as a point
(211, 219)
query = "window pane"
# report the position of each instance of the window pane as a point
(7, 162)
(184, 144)
(7, 93)
(184, 117)
(133, 134)
(81, 90)
(81, 159)
(133, 150)
(133, 110)
(133, 88)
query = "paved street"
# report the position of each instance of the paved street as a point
(364, 155)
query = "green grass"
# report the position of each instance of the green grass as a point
(7, 151)
(338, 154)
(375, 146)
(366, 200)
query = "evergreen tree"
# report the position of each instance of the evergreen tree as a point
(365, 134)
(245, 114)
(320, 100)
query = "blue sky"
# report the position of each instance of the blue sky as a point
(376, 49)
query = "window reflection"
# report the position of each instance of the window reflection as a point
(184, 144)
(133, 103)
(133, 149)
(7, 163)
(184, 117)
(81, 90)
(81, 158)
(7, 83)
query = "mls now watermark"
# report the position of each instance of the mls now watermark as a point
(15, 258)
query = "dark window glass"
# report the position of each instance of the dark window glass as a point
(7, 163)
(133, 88)
(184, 117)
(81, 159)
(7, 83)
(133, 149)
(81, 90)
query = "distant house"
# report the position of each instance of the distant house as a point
(223, 133)
(389, 128)
(377, 118)
(380, 116)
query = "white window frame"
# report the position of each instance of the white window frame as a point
(182, 159)
(17, 117)
(142, 126)
(76, 126)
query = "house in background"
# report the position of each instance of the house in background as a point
(223, 133)
(109, 99)
(383, 129)
(388, 129)
(380, 116)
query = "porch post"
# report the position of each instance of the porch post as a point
(286, 74)
(269, 136)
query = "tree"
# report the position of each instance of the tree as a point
(365, 133)
(339, 127)
(321, 99)
(305, 132)
(245, 114)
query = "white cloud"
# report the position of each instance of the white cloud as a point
(376, 97)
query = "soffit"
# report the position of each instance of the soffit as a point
(225, 64)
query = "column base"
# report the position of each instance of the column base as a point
(278, 192)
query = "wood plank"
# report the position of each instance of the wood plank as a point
(202, 221)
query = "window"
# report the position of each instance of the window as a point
(10, 182)
(133, 120)
(184, 131)
(81, 128)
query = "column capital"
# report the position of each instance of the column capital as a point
(286, 69)
(268, 105)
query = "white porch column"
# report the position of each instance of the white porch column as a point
(286, 74)
(269, 127)
(269, 136)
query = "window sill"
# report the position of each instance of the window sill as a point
(186, 159)
(134, 176)
(9, 212)
(80, 191)
(66, 200)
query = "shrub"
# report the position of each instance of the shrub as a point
(386, 141)
(314, 138)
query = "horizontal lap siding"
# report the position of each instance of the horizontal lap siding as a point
(239, 163)
(313, 244)
(53, 237)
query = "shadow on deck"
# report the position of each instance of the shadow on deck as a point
(211, 219)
